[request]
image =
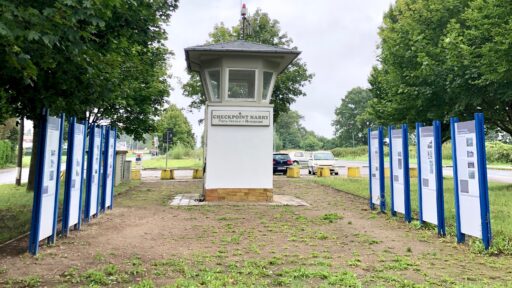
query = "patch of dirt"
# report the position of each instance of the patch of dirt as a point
(373, 246)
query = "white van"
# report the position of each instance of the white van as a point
(322, 159)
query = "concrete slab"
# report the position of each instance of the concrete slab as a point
(279, 200)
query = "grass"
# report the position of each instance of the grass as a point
(500, 205)
(16, 208)
(159, 163)
(247, 246)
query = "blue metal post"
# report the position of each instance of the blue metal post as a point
(418, 161)
(381, 171)
(407, 180)
(438, 155)
(460, 236)
(51, 239)
(372, 206)
(391, 184)
(482, 181)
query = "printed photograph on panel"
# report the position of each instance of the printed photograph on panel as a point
(464, 186)
(469, 142)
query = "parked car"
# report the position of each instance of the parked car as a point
(299, 158)
(322, 159)
(281, 161)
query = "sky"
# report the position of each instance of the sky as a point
(338, 40)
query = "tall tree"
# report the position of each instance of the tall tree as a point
(409, 84)
(172, 118)
(350, 125)
(479, 61)
(289, 130)
(102, 61)
(289, 84)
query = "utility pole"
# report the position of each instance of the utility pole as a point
(19, 160)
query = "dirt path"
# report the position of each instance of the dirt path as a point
(335, 242)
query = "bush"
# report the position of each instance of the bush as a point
(6, 153)
(350, 152)
(180, 151)
(498, 152)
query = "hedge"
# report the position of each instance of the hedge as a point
(6, 153)
(497, 152)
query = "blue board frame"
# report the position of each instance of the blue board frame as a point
(113, 170)
(372, 206)
(40, 161)
(406, 175)
(69, 163)
(391, 184)
(381, 169)
(418, 160)
(441, 225)
(90, 163)
(485, 216)
(107, 158)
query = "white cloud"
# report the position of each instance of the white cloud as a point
(338, 40)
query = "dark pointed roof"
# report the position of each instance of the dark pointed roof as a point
(238, 47)
(242, 46)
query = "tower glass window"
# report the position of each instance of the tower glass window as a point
(242, 84)
(214, 83)
(267, 80)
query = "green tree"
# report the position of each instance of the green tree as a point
(479, 62)
(409, 84)
(311, 143)
(289, 84)
(173, 118)
(289, 130)
(102, 61)
(350, 125)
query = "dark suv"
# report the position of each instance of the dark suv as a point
(281, 162)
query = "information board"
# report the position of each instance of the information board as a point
(467, 173)
(46, 192)
(471, 179)
(108, 162)
(51, 172)
(400, 190)
(376, 168)
(74, 176)
(93, 172)
(430, 176)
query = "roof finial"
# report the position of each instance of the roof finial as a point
(243, 12)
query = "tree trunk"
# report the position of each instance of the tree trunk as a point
(19, 160)
(33, 157)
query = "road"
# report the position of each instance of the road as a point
(497, 175)
(8, 176)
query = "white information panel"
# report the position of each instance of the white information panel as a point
(397, 161)
(110, 169)
(375, 175)
(95, 178)
(76, 174)
(467, 172)
(428, 175)
(50, 178)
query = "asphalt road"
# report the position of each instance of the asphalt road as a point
(8, 176)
